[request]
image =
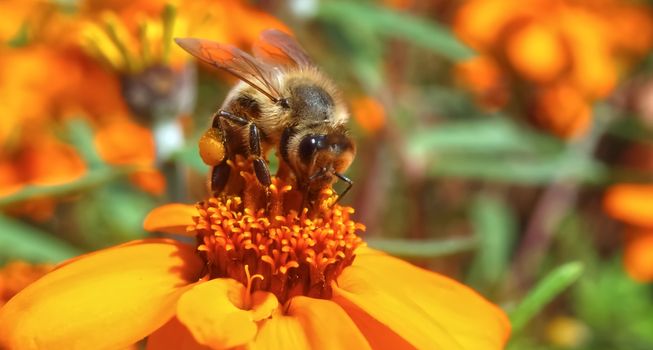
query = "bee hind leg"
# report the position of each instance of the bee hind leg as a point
(219, 176)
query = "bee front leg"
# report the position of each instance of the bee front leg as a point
(349, 185)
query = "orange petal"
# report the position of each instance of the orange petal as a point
(173, 335)
(263, 305)
(170, 218)
(327, 325)
(638, 255)
(208, 311)
(562, 109)
(149, 180)
(51, 162)
(281, 332)
(125, 142)
(377, 334)
(630, 203)
(113, 297)
(426, 309)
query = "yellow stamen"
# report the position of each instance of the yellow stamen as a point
(248, 291)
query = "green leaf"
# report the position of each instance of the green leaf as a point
(21, 38)
(500, 150)
(427, 248)
(80, 135)
(20, 241)
(189, 155)
(495, 226)
(491, 135)
(92, 179)
(518, 170)
(112, 215)
(419, 31)
(606, 297)
(543, 293)
(168, 18)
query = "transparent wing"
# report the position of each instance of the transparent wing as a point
(259, 75)
(279, 48)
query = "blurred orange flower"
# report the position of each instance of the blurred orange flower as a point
(42, 86)
(49, 163)
(369, 114)
(546, 50)
(485, 80)
(280, 279)
(46, 162)
(633, 204)
(123, 142)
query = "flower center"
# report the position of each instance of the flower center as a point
(293, 252)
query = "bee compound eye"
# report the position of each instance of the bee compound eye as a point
(309, 146)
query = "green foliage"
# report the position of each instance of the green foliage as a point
(24, 242)
(418, 31)
(615, 307)
(546, 290)
(90, 180)
(499, 150)
(79, 134)
(495, 226)
(423, 249)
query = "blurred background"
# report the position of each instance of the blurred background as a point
(507, 144)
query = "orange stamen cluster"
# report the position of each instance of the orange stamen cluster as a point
(295, 252)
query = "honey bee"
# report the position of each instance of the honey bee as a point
(282, 102)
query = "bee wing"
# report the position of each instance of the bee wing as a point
(259, 75)
(279, 48)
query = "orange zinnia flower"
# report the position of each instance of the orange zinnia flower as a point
(262, 274)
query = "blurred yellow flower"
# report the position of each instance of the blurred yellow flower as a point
(131, 37)
(567, 332)
(536, 53)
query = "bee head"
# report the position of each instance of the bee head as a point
(324, 155)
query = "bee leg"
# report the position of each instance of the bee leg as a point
(349, 185)
(261, 168)
(219, 176)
